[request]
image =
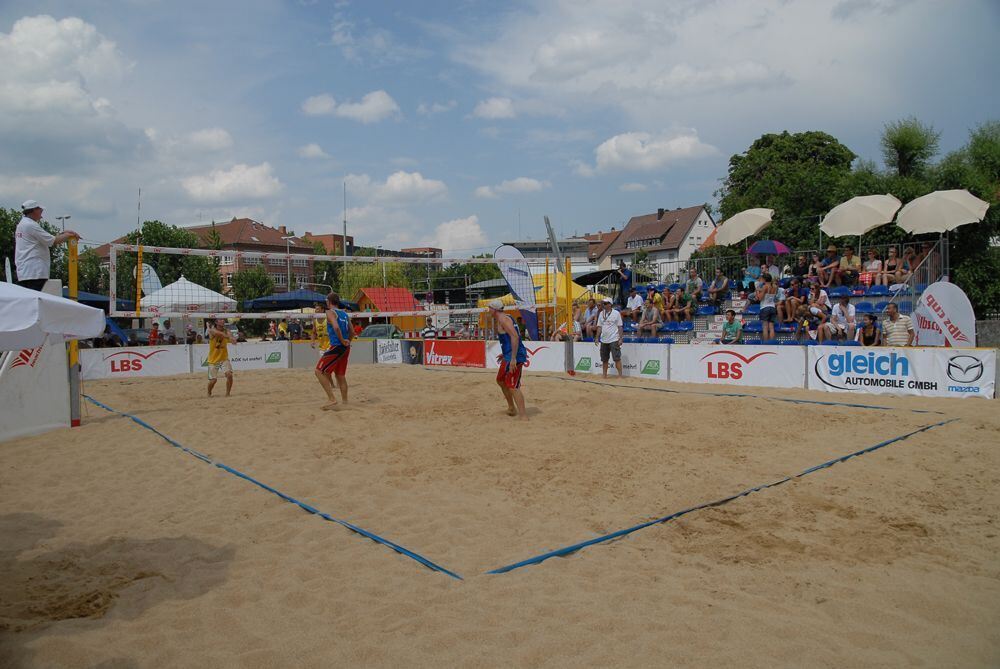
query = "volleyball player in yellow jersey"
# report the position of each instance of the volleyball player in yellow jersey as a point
(320, 339)
(218, 355)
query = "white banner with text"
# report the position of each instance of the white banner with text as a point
(770, 366)
(140, 361)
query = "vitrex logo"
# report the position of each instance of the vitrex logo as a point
(129, 361)
(728, 368)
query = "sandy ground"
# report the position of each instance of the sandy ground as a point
(118, 550)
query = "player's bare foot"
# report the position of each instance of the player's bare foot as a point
(511, 411)
(332, 406)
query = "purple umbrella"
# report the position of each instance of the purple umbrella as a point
(768, 247)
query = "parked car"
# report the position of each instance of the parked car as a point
(381, 331)
(235, 331)
(137, 336)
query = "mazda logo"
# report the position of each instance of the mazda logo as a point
(965, 369)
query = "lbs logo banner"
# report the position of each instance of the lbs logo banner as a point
(772, 366)
(929, 372)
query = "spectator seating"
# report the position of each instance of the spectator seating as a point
(864, 308)
(707, 310)
(877, 291)
(838, 291)
(674, 286)
(750, 341)
(790, 342)
(880, 306)
(752, 310)
(666, 340)
(906, 307)
(753, 326)
(921, 287)
(769, 342)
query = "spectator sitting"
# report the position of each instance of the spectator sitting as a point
(633, 307)
(770, 267)
(814, 267)
(872, 269)
(283, 330)
(732, 329)
(795, 297)
(849, 268)
(694, 284)
(806, 321)
(668, 303)
(198, 339)
(561, 333)
(892, 269)
(684, 305)
(897, 330)
(751, 274)
(829, 267)
(650, 318)
(818, 299)
(429, 331)
(294, 330)
(842, 323)
(154, 334)
(657, 299)
(870, 334)
(718, 290)
(800, 270)
(910, 257)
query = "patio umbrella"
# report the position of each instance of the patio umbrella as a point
(859, 215)
(28, 316)
(742, 225)
(768, 247)
(941, 211)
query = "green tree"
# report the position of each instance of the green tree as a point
(324, 271)
(796, 174)
(371, 275)
(251, 283)
(169, 267)
(908, 145)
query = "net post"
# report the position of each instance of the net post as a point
(569, 314)
(138, 281)
(74, 347)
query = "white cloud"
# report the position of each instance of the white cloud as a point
(373, 107)
(239, 182)
(495, 108)
(312, 151)
(425, 109)
(643, 152)
(632, 188)
(319, 105)
(210, 139)
(459, 235)
(400, 187)
(512, 186)
(375, 45)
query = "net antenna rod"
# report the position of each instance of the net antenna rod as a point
(344, 240)
(554, 242)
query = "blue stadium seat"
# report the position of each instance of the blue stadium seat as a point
(750, 341)
(785, 327)
(687, 326)
(921, 287)
(786, 282)
(905, 307)
(707, 310)
(666, 340)
(753, 326)
(588, 340)
(752, 309)
(628, 326)
(829, 342)
(864, 308)
(670, 326)
(809, 342)
(674, 286)
(880, 307)
(790, 342)
(838, 291)
(878, 291)
(769, 342)
(660, 287)
(734, 284)
(628, 340)
(849, 342)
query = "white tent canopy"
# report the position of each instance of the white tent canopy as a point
(183, 296)
(28, 316)
(860, 215)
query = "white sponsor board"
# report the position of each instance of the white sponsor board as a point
(928, 372)
(389, 351)
(34, 390)
(651, 361)
(112, 363)
(944, 317)
(543, 356)
(770, 366)
(246, 356)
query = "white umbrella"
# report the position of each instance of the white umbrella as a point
(941, 211)
(185, 296)
(859, 215)
(738, 227)
(28, 316)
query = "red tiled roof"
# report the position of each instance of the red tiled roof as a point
(248, 232)
(670, 230)
(601, 243)
(389, 299)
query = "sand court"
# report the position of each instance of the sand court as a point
(157, 544)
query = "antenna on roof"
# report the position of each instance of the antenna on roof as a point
(138, 210)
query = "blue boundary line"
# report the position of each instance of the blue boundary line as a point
(562, 552)
(288, 498)
(761, 397)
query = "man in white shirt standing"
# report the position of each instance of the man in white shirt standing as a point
(31, 247)
(610, 330)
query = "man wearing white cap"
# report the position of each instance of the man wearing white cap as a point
(31, 247)
(512, 359)
(609, 337)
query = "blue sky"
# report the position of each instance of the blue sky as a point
(449, 120)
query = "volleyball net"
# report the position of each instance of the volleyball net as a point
(159, 282)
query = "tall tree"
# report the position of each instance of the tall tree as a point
(908, 146)
(169, 267)
(251, 283)
(796, 174)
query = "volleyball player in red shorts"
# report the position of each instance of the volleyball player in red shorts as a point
(512, 358)
(334, 359)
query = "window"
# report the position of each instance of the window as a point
(226, 260)
(279, 279)
(275, 261)
(300, 262)
(251, 261)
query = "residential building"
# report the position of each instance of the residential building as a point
(668, 236)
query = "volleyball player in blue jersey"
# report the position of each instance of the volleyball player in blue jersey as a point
(512, 359)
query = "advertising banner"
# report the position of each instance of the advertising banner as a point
(447, 353)
(413, 351)
(651, 361)
(389, 351)
(112, 363)
(927, 372)
(34, 393)
(944, 317)
(542, 356)
(771, 366)
(246, 356)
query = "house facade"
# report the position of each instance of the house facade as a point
(668, 237)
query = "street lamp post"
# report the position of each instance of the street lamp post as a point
(288, 261)
(63, 219)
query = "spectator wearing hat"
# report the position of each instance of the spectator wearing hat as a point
(32, 246)
(610, 331)
(829, 266)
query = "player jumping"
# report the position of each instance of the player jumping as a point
(334, 359)
(218, 355)
(512, 357)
